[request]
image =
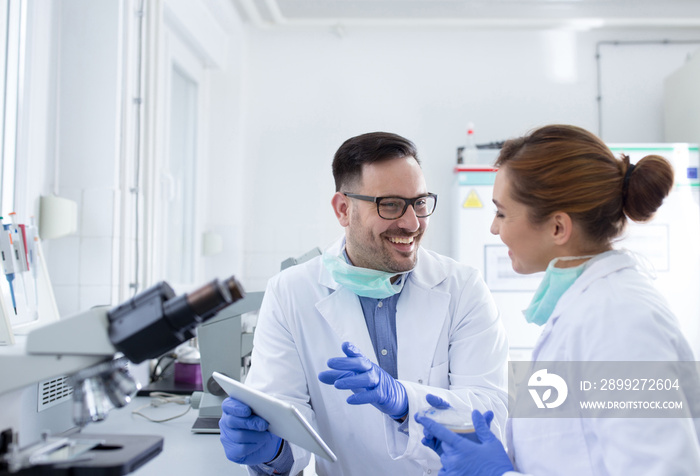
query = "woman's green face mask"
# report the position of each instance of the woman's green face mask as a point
(555, 283)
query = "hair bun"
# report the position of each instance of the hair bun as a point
(645, 185)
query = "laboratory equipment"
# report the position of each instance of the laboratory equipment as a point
(312, 253)
(187, 366)
(84, 347)
(8, 260)
(32, 253)
(460, 155)
(450, 418)
(231, 357)
(470, 153)
(19, 243)
(224, 347)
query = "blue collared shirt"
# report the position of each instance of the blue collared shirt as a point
(380, 316)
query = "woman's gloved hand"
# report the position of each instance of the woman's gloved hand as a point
(464, 457)
(369, 382)
(244, 435)
(433, 443)
(428, 439)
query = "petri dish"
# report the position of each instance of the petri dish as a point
(459, 422)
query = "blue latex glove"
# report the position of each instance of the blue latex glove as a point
(437, 402)
(463, 457)
(369, 382)
(244, 435)
(429, 440)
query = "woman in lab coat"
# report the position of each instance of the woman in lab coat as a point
(561, 198)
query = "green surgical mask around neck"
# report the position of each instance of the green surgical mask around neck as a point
(555, 283)
(364, 282)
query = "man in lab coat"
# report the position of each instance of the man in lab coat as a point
(358, 337)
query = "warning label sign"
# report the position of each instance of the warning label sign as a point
(473, 200)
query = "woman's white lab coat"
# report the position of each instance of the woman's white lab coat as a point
(612, 312)
(451, 342)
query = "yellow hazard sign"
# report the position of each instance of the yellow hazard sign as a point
(473, 200)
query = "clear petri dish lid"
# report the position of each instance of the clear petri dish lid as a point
(450, 418)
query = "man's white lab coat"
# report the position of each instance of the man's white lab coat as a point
(451, 343)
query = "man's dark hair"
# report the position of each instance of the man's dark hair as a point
(367, 149)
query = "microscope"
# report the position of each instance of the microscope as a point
(94, 348)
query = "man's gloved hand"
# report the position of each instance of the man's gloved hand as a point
(464, 457)
(244, 435)
(369, 382)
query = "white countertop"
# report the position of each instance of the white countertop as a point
(184, 452)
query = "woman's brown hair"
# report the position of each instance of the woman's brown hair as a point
(563, 168)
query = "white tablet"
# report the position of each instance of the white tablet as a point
(284, 419)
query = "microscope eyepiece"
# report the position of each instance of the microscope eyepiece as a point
(155, 320)
(212, 297)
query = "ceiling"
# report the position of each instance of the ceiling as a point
(472, 13)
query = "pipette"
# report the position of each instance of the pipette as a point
(33, 254)
(6, 251)
(19, 242)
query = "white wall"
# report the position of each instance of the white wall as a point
(307, 90)
(83, 267)
(225, 184)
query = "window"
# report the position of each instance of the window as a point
(176, 239)
(180, 171)
(12, 30)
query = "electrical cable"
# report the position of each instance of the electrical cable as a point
(165, 367)
(157, 374)
(161, 398)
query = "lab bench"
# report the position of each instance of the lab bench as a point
(184, 452)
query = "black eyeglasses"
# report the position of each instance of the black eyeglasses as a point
(393, 208)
